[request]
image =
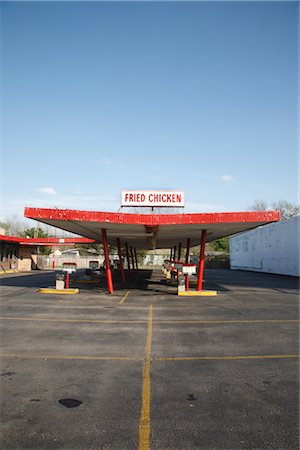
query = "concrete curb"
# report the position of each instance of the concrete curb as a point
(197, 293)
(58, 291)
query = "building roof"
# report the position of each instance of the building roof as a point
(151, 231)
(49, 242)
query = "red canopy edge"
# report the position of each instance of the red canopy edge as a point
(46, 241)
(151, 219)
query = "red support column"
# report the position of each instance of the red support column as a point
(132, 259)
(67, 280)
(121, 261)
(187, 258)
(127, 256)
(136, 261)
(179, 251)
(201, 261)
(107, 263)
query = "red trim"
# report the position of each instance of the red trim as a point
(151, 219)
(12, 239)
(46, 241)
(55, 241)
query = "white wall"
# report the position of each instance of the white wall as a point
(272, 248)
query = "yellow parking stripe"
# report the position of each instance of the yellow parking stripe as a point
(78, 357)
(224, 322)
(187, 322)
(144, 428)
(124, 298)
(225, 358)
(46, 319)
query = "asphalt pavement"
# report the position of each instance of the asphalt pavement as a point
(146, 369)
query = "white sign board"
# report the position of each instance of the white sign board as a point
(69, 267)
(189, 269)
(173, 199)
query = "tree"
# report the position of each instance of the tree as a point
(141, 254)
(85, 247)
(220, 245)
(34, 233)
(258, 205)
(37, 233)
(13, 226)
(287, 209)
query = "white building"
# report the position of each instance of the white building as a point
(272, 248)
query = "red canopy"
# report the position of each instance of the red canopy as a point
(151, 231)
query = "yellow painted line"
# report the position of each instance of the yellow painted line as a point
(224, 322)
(44, 319)
(144, 428)
(78, 357)
(184, 322)
(124, 298)
(197, 293)
(226, 358)
(58, 291)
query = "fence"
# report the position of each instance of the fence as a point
(215, 261)
(48, 262)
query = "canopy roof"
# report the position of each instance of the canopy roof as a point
(151, 231)
(49, 242)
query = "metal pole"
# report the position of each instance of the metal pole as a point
(127, 256)
(187, 257)
(201, 261)
(107, 263)
(121, 261)
(171, 254)
(174, 255)
(179, 251)
(136, 261)
(132, 259)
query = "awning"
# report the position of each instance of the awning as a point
(151, 231)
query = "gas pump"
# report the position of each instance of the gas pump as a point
(187, 269)
(67, 268)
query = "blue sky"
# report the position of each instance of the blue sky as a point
(195, 96)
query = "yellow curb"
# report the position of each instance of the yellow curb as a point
(10, 271)
(197, 293)
(58, 291)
